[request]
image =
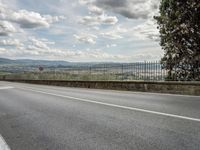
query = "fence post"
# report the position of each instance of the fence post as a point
(145, 70)
(155, 65)
(122, 72)
(90, 68)
(104, 70)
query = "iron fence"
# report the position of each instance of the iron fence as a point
(144, 71)
(128, 71)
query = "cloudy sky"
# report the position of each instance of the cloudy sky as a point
(79, 30)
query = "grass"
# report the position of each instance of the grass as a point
(83, 76)
(4, 73)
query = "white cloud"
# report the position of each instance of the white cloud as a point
(10, 42)
(97, 15)
(95, 10)
(6, 28)
(27, 19)
(46, 41)
(84, 2)
(86, 38)
(51, 19)
(96, 28)
(38, 44)
(111, 35)
(101, 25)
(98, 20)
(99, 54)
(114, 32)
(83, 55)
(111, 45)
(35, 47)
(148, 30)
(133, 9)
(60, 54)
(2, 50)
(105, 19)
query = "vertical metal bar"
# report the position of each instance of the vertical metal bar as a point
(160, 70)
(148, 70)
(156, 71)
(151, 67)
(140, 70)
(145, 70)
(122, 72)
(152, 70)
(90, 69)
(136, 73)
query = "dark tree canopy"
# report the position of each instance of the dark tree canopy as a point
(179, 25)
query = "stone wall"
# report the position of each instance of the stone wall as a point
(185, 88)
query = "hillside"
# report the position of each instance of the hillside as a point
(30, 62)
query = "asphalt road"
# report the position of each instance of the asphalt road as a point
(37, 117)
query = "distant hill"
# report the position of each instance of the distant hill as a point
(5, 61)
(30, 62)
(52, 63)
(21, 65)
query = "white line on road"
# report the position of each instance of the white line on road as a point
(116, 91)
(6, 87)
(115, 105)
(3, 144)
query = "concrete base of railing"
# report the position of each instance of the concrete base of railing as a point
(185, 88)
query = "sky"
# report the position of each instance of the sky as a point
(80, 30)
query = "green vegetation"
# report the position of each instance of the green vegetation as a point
(4, 73)
(59, 76)
(84, 76)
(179, 24)
(144, 71)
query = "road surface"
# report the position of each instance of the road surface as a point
(39, 117)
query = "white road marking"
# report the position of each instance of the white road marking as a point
(115, 105)
(116, 91)
(6, 87)
(105, 90)
(3, 144)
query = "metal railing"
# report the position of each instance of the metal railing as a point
(144, 71)
(129, 71)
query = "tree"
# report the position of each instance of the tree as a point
(41, 68)
(179, 26)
